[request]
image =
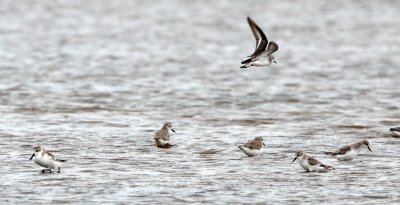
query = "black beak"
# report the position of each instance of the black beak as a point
(32, 156)
(172, 130)
(294, 159)
(264, 144)
(275, 62)
(369, 149)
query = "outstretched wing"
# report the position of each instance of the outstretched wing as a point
(261, 39)
(272, 47)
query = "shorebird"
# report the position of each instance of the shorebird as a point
(253, 147)
(395, 131)
(310, 164)
(262, 56)
(45, 159)
(161, 137)
(349, 152)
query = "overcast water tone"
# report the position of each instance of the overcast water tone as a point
(92, 81)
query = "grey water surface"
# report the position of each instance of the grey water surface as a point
(93, 80)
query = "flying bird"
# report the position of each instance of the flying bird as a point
(262, 56)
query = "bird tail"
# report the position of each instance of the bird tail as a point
(166, 146)
(327, 167)
(395, 129)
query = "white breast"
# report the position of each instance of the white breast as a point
(160, 142)
(262, 61)
(311, 168)
(252, 152)
(349, 155)
(46, 161)
(304, 163)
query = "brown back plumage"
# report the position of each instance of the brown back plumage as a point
(342, 150)
(257, 143)
(162, 134)
(313, 161)
(347, 148)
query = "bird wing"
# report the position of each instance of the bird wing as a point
(161, 134)
(261, 39)
(45, 152)
(313, 161)
(253, 144)
(342, 150)
(256, 144)
(272, 47)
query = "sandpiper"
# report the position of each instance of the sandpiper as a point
(161, 137)
(310, 164)
(253, 147)
(262, 56)
(395, 131)
(349, 152)
(45, 159)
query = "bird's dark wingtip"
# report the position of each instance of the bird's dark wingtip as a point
(246, 61)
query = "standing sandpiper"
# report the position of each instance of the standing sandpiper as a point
(45, 159)
(310, 164)
(253, 147)
(161, 137)
(349, 152)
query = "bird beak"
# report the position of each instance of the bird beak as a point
(172, 130)
(294, 159)
(275, 62)
(32, 156)
(264, 144)
(369, 149)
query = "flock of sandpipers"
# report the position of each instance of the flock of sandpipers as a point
(262, 56)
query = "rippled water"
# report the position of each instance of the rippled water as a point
(93, 80)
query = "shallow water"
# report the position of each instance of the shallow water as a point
(93, 80)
